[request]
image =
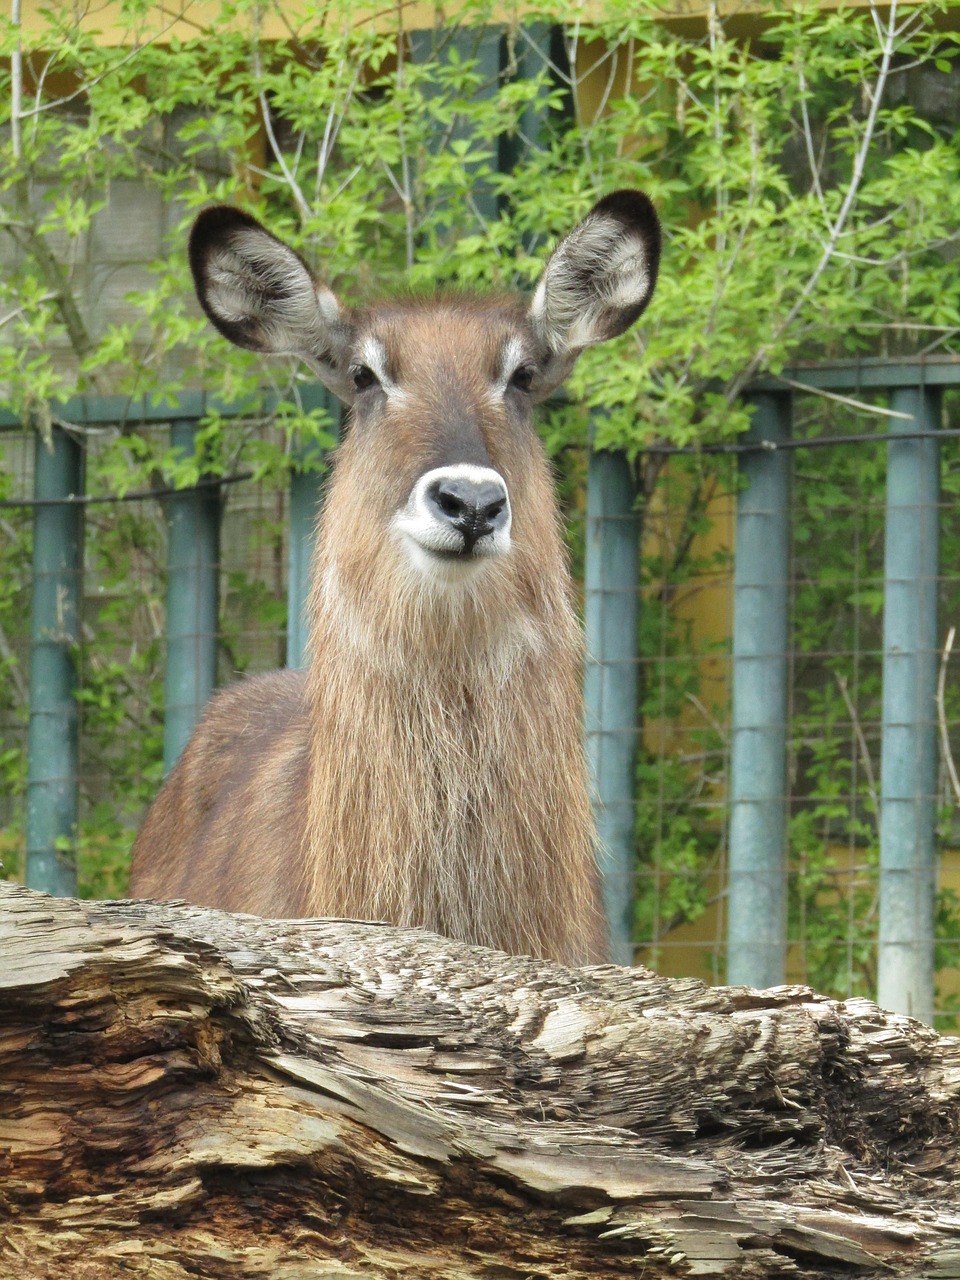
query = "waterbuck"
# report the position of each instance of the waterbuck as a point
(427, 768)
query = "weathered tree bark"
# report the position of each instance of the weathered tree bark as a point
(187, 1093)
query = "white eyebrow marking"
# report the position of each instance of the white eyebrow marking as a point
(374, 355)
(511, 358)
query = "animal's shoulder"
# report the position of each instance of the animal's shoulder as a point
(262, 701)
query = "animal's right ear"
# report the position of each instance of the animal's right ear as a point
(261, 295)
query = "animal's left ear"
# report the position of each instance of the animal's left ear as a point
(599, 278)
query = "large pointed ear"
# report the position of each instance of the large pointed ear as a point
(261, 295)
(599, 278)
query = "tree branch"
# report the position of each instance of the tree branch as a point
(948, 761)
(55, 277)
(888, 38)
(16, 84)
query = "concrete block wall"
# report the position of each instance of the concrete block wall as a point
(108, 263)
(103, 265)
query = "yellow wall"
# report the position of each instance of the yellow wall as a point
(697, 950)
(185, 19)
(705, 602)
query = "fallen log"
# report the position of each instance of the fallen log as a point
(188, 1093)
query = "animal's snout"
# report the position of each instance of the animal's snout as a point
(474, 506)
(456, 516)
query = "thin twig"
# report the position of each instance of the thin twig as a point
(888, 36)
(725, 271)
(135, 52)
(16, 85)
(714, 724)
(715, 32)
(406, 195)
(942, 715)
(847, 400)
(334, 121)
(18, 311)
(808, 139)
(14, 671)
(862, 747)
(299, 198)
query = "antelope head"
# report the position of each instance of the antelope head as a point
(446, 472)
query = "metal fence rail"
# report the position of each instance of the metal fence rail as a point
(756, 894)
(757, 876)
(193, 532)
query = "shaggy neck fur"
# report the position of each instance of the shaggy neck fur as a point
(447, 779)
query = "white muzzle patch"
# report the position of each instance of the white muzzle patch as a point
(447, 526)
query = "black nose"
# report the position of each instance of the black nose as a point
(473, 507)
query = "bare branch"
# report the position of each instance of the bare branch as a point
(300, 199)
(942, 716)
(406, 195)
(16, 84)
(87, 85)
(862, 748)
(862, 405)
(888, 37)
(808, 140)
(14, 672)
(57, 280)
(332, 127)
(18, 311)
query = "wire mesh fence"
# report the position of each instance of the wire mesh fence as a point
(486, 139)
(683, 519)
(839, 586)
(118, 656)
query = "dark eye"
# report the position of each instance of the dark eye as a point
(363, 377)
(522, 377)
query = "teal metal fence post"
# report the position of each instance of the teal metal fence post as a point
(193, 556)
(908, 773)
(612, 575)
(53, 731)
(757, 881)
(306, 487)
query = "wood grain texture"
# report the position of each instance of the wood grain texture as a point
(188, 1093)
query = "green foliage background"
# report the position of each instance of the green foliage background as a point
(807, 190)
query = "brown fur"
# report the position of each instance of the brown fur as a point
(427, 769)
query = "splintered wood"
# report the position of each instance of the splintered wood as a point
(187, 1093)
